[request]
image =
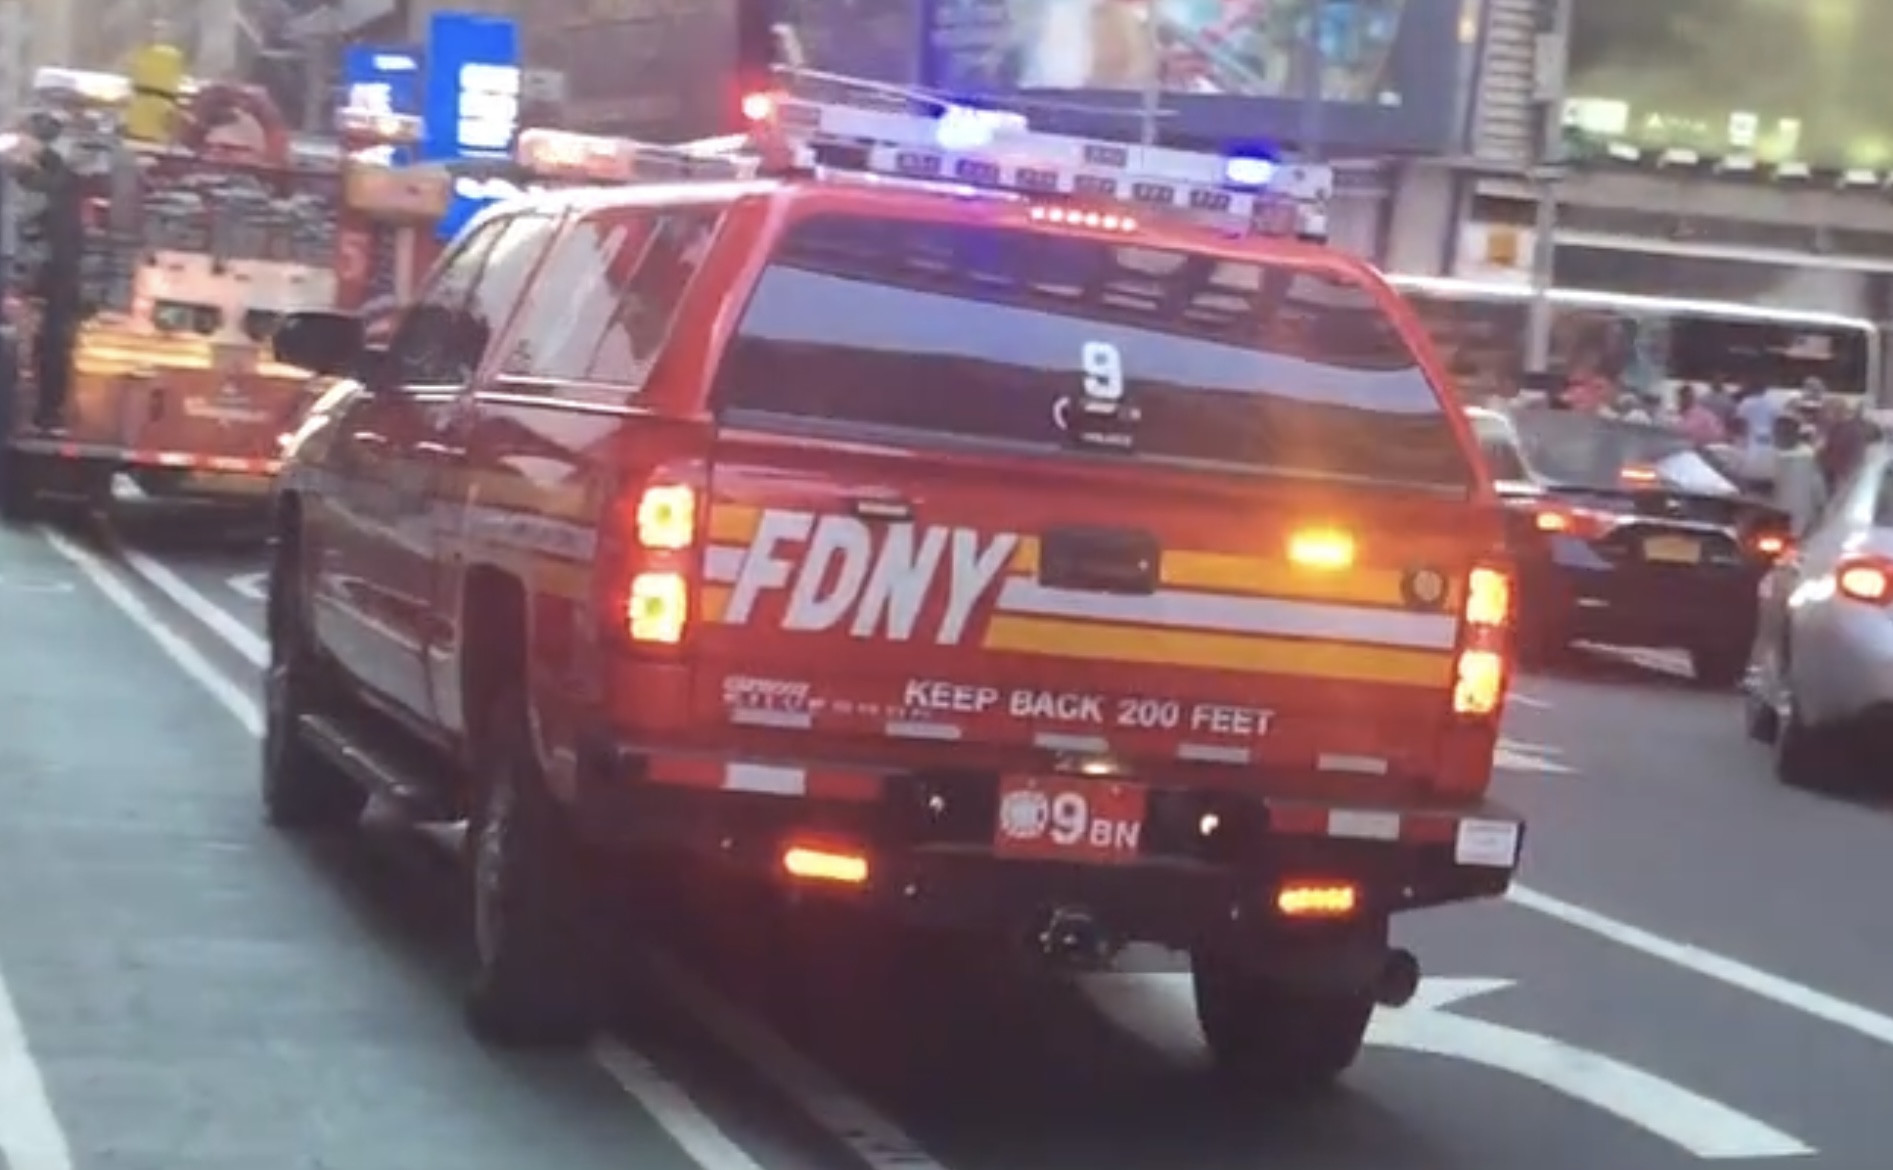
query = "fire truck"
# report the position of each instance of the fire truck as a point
(143, 281)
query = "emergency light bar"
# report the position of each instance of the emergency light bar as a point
(900, 133)
(560, 154)
(88, 85)
(914, 134)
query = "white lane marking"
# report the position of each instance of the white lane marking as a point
(195, 665)
(1160, 1010)
(874, 1139)
(188, 598)
(1528, 757)
(1530, 702)
(30, 1134)
(1784, 992)
(672, 1108)
(858, 1126)
(254, 586)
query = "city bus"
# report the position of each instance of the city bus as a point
(1646, 345)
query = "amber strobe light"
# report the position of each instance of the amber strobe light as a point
(1317, 899)
(821, 863)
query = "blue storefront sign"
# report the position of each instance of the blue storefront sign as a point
(471, 109)
(387, 80)
(1232, 70)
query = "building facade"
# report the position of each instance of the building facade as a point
(33, 33)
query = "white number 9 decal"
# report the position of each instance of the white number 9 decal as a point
(1071, 815)
(1104, 371)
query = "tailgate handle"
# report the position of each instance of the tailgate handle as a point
(1100, 560)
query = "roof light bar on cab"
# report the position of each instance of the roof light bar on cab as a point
(917, 134)
(601, 159)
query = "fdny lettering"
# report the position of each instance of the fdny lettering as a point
(843, 576)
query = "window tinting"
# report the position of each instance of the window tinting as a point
(971, 332)
(608, 294)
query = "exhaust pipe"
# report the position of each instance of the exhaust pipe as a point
(1399, 979)
(1072, 939)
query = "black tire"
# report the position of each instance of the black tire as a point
(19, 501)
(1805, 757)
(1719, 667)
(301, 789)
(537, 981)
(1759, 717)
(1274, 1038)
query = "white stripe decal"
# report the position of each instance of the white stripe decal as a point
(1177, 609)
(721, 563)
(1364, 826)
(765, 779)
(1053, 741)
(902, 729)
(762, 717)
(1209, 753)
(1359, 765)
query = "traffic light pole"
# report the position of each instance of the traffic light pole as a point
(1553, 61)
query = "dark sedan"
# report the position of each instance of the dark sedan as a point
(1628, 534)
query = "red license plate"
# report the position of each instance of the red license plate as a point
(1069, 818)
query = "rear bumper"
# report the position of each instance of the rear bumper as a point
(929, 843)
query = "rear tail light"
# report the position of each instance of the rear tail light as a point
(1317, 899)
(1770, 546)
(656, 610)
(1868, 579)
(1556, 520)
(1480, 670)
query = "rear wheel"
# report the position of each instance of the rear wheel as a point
(1807, 756)
(536, 983)
(301, 789)
(1268, 1036)
(19, 497)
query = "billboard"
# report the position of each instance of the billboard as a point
(1782, 82)
(470, 106)
(655, 69)
(1226, 69)
(387, 80)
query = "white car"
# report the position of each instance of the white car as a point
(1821, 674)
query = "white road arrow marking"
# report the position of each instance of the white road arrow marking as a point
(1160, 1010)
(254, 586)
(1514, 756)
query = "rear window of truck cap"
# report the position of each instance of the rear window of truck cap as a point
(975, 333)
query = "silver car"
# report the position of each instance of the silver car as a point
(1821, 676)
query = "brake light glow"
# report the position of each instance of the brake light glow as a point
(658, 608)
(1865, 579)
(667, 517)
(1329, 899)
(1556, 520)
(758, 107)
(1770, 544)
(657, 596)
(812, 863)
(1638, 477)
(1479, 672)
(1328, 549)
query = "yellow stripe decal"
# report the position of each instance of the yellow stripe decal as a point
(1325, 660)
(713, 599)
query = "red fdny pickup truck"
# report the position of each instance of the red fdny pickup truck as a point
(1012, 539)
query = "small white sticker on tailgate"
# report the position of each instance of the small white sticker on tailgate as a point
(1487, 843)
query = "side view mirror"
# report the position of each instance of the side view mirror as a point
(330, 344)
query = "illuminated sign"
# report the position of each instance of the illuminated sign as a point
(472, 106)
(383, 80)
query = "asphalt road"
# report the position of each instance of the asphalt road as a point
(1694, 968)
